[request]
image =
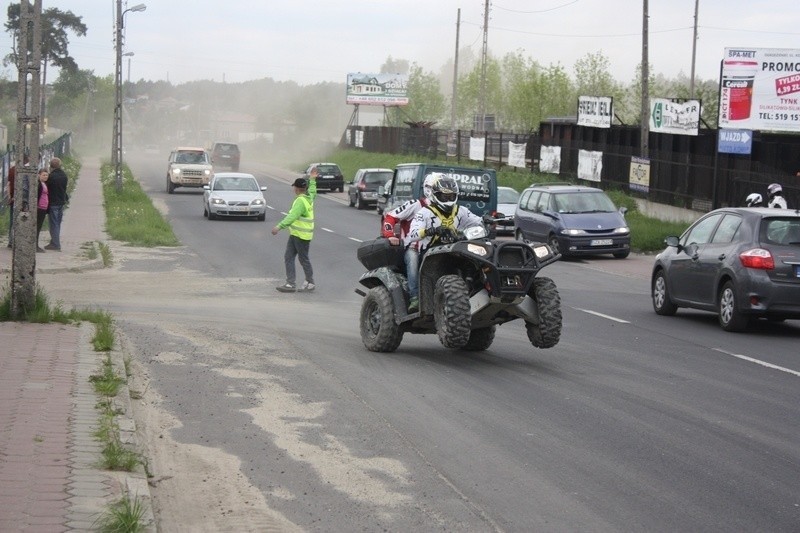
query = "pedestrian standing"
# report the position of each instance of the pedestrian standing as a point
(42, 205)
(776, 198)
(300, 221)
(57, 186)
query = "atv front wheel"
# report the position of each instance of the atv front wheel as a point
(379, 331)
(547, 332)
(480, 339)
(451, 311)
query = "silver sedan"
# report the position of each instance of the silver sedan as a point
(234, 194)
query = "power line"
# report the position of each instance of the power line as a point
(537, 11)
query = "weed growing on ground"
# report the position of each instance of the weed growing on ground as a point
(123, 516)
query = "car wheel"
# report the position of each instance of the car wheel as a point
(730, 318)
(661, 302)
(379, 331)
(451, 311)
(170, 186)
(262, 217)
(547, 332)
(553, 242)
(622, 255)
(480, 339)
(519, 236)
(205, 212)
(359, 203)
(211, 215)
(351, 202)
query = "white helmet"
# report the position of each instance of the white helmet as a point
(753, 200)
(775, 189)
(427, 185)
(444, 192)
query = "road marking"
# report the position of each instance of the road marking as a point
(759, 362)
(354, 239)
(328, 230)
(601, 315)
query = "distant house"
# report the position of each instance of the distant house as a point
(231, 126)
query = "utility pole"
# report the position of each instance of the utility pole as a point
(455, 75)
(29, 62)
(482, 110)
(645, 118)
(694, 49)
(116, 156)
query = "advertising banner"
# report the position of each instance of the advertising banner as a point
(667, 116)
(550, 159)
(516, 155)
(377, 89)
(760, 89)
(590, 165)
(639, 177)
(476, 148)
(595, 111)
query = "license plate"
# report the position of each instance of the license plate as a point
(326, 177)
(240, 208)
(601, 242)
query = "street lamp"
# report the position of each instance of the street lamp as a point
(116, 155)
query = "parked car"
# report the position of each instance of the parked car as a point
(234, 194)
(330, 176)
(507, 199)
(741, 263)
(363, 190)
(572, 219)
(226, 155)
(188, 167)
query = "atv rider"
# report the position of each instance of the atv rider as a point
(776, 198)
(442, 218)
(403, 214)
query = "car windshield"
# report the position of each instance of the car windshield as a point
(235, 184)
(583, 202)
(507, 196)
(226, 148)
(191, 157)
(378, 178)
(328, 169)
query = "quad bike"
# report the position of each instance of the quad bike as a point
(466, 288)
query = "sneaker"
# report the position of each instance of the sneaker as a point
(308, 286)
(52, 247)
(39, 249)
(287, 287)
(413, 304)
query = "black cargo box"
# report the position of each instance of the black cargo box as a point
(379, 253)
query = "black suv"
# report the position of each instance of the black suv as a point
(226, 155)
(330, 176)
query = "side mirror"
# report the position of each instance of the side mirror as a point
(672, 241)
(623, 210)
(263, 187)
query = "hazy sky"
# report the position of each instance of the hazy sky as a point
(310, 41)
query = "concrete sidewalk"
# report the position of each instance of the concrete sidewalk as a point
(49, 474)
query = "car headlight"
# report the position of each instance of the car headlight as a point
(257, 201)
(217, 201)
(207, 172)
(572, 232)
(624, 230)
(176, 171)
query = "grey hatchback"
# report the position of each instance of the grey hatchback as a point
(574, 220)
(741, 263)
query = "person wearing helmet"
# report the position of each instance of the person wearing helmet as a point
(402, 215)
(441, 218)
(754, 200)
(776, 198)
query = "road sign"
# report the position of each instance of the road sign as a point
(735, 141)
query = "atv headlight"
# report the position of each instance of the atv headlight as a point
(542, 251)
(475, 232)
(476, 249)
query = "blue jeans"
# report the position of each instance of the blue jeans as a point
(412, 271)
(296, 247)
(54, 216)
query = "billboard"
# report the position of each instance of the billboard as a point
(595, 111)
(760, 89)
(377, 89)
(678, 118)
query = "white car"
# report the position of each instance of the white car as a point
(188, 167)
(507, 198)
(234, 194)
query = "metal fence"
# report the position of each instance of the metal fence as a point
(58, 148)
(685, 171)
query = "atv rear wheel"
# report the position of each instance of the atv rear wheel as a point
(379, 331)
(480, 339)
(451, 311)
(547, 332)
